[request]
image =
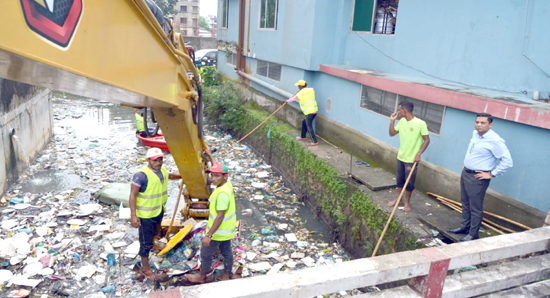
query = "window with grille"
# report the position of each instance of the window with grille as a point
(385, 103)
(231, 60)
(430, 112)
(376, 16)
(268, 69)
(184, 20)
(225, 13)
(378, 101)
(268, 14)
(195, 9)
(183, 8)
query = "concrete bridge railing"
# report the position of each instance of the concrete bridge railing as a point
(424, 269)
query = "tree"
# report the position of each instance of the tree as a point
(167, 6)
(203, 24)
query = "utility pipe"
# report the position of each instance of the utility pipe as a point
(241, 62)
(266, 85)
(248, 35)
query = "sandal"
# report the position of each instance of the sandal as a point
(313, 144)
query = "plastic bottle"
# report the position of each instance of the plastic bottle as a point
(108, 289)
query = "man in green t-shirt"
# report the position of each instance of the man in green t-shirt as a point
(413, 139)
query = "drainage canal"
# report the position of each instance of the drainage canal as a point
(52, 210)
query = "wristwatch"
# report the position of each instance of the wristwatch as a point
(209, 236)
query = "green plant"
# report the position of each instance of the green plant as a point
(350, 209)
(210, 76)
(223, 105)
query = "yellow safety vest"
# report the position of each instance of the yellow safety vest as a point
(228, 227)
(139, 122)
(306, 98)
(150, 203)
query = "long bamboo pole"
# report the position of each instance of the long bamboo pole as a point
(486, 223)
(175, 210)
(484, 212)
(394, 209)
(254, 128)
(449, 204)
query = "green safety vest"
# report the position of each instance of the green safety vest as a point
(139, 122)
(228, 227)
(150, 203)
(306, 98)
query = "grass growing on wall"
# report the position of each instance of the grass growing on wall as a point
(352, 211)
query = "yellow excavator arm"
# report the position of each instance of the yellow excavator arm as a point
(110, 50)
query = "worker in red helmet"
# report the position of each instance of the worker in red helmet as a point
(221, 227)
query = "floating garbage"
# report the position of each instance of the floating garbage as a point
(65, 228)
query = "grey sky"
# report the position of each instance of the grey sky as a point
(209, 7)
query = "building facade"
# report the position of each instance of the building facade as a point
(452, 59)
(213, 23)
(187, 17)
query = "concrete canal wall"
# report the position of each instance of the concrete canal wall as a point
(25, 111)
(431, 177)
(354, 219)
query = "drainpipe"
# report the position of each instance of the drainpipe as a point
(279, 91)
(248, 35)
(241, 62)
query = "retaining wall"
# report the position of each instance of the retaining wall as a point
(27, 111)
(201, 43)
(356, 222)
(430, 178)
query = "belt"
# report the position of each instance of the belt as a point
(472, 171)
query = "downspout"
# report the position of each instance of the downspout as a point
(241, 62)
(279, 91)
(248, 35)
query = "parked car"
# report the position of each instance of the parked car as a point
(207, 57)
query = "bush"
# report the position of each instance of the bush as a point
(223, 105)
(210, 76)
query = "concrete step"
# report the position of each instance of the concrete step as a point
(488, 280)
(373, 178)
(535, 290)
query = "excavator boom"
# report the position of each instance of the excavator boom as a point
(112, 51)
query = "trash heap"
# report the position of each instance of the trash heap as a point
(59, 241)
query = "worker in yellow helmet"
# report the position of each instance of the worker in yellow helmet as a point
(148, 195)
(221, 226)
(306, 98)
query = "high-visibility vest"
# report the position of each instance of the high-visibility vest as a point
(306, 98)
(150, 203)
(228, 227)
(139, 122)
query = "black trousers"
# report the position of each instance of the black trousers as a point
(307, 125)
(207, 252)
(472, 195)
(147, 230)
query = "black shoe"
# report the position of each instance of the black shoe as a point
(469, 238)
(460, 230)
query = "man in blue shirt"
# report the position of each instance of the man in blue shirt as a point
(480, 165)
